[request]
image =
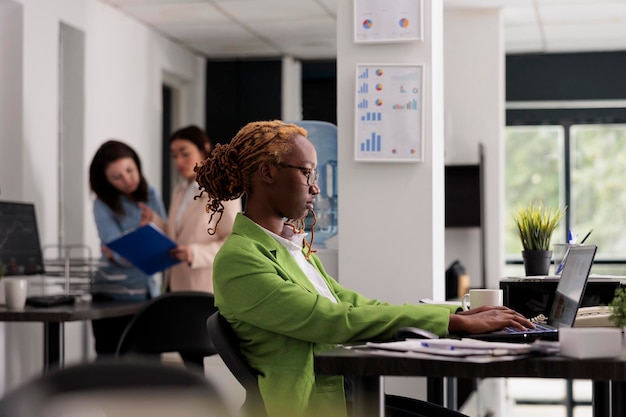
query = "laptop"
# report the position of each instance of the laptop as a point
(565, 304)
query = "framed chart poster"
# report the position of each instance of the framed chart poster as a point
(387, 20)
(389, 113)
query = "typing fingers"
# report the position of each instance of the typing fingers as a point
(482, 309)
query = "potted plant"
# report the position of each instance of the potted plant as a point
(535, 224)
(618, 308)
(618, 311)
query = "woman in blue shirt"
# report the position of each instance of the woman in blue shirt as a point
(124, 201)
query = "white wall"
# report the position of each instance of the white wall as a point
(474, 113)
(391, 226)
(125, 66)
(391, 214)
(11, 41)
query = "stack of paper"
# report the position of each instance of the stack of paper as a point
(466, 347)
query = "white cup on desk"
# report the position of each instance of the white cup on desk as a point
(15, 293)
(481, 297)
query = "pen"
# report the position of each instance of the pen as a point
(586, 236)
(570, 236)
(562, 264)
(444, 347)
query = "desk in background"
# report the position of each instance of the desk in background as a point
(365, 368)
(53, 319)
(533, 296)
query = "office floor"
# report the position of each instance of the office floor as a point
(216, 371)
(523, 397)
(537, 390)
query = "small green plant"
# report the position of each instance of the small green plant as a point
(536, 223)
(3, 270)
(618, 306)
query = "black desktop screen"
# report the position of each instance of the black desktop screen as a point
(20, 250)
(463, 195)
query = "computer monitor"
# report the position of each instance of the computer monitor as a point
(20, 248)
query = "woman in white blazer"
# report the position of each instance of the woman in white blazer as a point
(188, 221)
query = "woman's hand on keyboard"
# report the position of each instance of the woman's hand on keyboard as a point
(487, 319)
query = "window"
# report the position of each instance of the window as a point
(582, 166)
(598, 184)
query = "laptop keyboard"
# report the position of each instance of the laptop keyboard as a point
(538, 328)
(50, 300)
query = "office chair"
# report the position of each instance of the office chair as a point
(227, 346)
(172, 322)
(115, 388)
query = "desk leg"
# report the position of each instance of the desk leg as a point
(367, 397)
(53, 338)
(451, 393)
(601, 400)
(618, 390)
(434, 388)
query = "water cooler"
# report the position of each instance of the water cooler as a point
(323, 135)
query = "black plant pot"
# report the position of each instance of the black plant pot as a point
(537, 262)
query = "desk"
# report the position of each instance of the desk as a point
(366, 368)
(533, 296)
(53, 319)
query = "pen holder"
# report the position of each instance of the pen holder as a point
(560, 251)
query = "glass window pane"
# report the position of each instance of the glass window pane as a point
(534, 171)
(598, 184)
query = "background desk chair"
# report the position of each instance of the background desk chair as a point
(227, 346)
(116, 389)
(172, 322)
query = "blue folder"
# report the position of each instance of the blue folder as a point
(146, 247)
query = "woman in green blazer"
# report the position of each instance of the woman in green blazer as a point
(274, 290)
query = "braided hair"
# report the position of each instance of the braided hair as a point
(227, 173)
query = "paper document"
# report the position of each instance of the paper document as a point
(465, 347)
(449, 303)
(146, 247)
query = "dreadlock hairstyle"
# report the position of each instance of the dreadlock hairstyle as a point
(226, 174)
(109, 152)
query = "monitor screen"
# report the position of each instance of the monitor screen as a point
(569, 292)
(20, 249)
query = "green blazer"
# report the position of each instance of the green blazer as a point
(281, 321)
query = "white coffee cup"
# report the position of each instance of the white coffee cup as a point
(15, 293)
(481, 297)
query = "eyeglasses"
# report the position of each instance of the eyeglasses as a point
(311, 173)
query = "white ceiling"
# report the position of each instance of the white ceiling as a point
(305, 29)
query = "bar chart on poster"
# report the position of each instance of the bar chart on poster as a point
(388, 113)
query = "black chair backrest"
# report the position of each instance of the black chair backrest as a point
(227, 346)
(172, 322)
(108, 381)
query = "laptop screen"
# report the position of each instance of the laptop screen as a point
(571, 287)
(20, 249)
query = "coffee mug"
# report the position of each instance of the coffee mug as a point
(481, 297)
(15, 293)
